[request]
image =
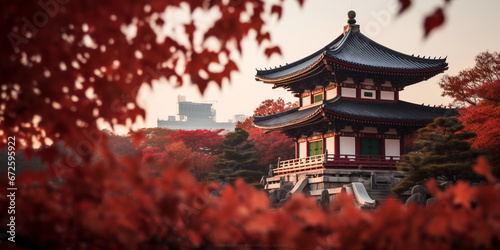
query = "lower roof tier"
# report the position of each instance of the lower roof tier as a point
(340, 109)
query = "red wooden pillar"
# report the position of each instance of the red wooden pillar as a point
(323, 147)
(307, 148)
(357, 141)
(396, 95)
(297, 148)
(337, 145)
(382, 147)
(402, 145)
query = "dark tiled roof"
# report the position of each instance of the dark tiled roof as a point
(285, 118)
(399, 111)
(378, 112)
(356, 50)
(298, 66)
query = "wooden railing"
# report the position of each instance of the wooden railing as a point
(337, 161)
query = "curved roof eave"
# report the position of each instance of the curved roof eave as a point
(297, 67)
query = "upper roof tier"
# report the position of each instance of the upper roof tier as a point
(398, 114)
(353, 54)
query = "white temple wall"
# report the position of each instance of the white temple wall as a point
(348, 92)
(331, 93)
(302, 149)
(330, 145)
(386, 95)
(306, 101)
(347, 145)
(392, 147)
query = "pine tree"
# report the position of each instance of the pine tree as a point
(238, 152)
(237, 160)
(230, 176)
(443, 152)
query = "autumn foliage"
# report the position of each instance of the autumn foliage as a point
(271, 145)
(477, 91)
(197, 149)
(68, 64)
(116, 205)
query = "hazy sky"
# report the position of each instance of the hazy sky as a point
(470, 28)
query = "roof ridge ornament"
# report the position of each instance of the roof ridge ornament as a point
(351, 14)
(351, 22)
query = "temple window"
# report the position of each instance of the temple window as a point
(318, 98)
(368, 94)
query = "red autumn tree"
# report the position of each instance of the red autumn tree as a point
(271, 146)
(267, 107)
(474, 85)
(151, 154)
(155, 160)
(202, 165)
(479, 88)
(122, 145)
(154, 137)
(173, 154)
(271, 106)
(484, 120)
(200, 140)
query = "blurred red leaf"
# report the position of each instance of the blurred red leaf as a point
(437, 226)
(483, 168)
(432, 187)
(190, 28)
(272, 50)
(463, 194)
(137, 138)
(404, 5)
(433, 21)
(262, 37)
(277, 9)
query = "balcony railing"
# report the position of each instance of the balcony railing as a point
(333, 161)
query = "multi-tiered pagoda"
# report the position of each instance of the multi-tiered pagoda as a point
(349, 115)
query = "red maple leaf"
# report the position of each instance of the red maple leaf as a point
(404, 5)
(271, 50)
(433, 21)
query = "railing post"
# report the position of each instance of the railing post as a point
(325, 157)
(278, 165)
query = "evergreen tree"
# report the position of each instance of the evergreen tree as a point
(443, 152)
(237, 152)
(229, 176)
(237, 160)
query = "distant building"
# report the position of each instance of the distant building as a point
(197, 116)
